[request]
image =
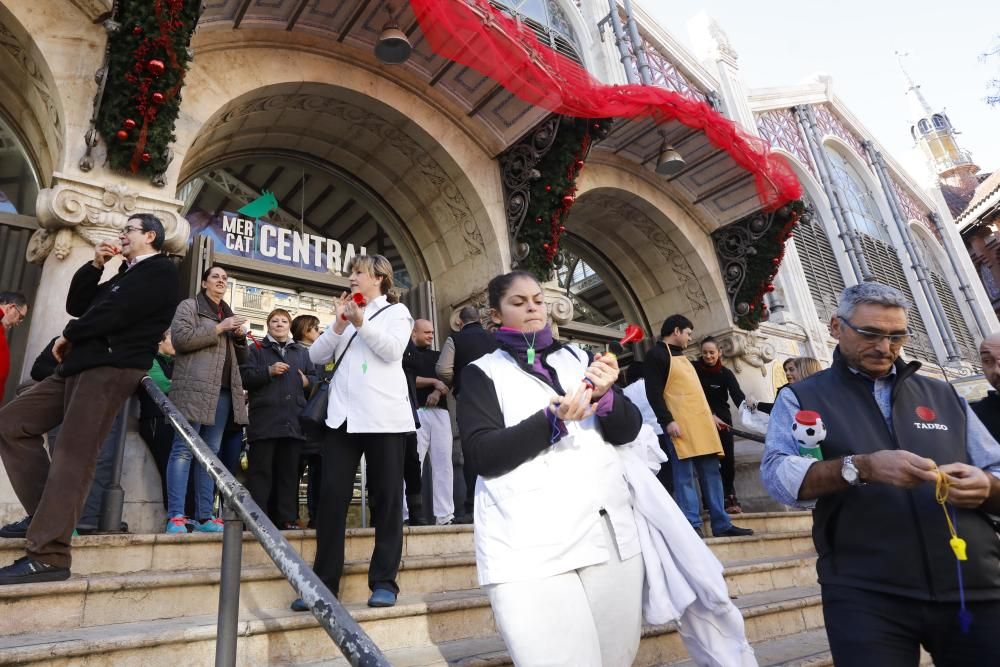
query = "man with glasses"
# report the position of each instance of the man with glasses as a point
(13, 310)
(102, 355)
(889, 578)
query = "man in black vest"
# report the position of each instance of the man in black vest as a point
(888, 574)
(459, 350)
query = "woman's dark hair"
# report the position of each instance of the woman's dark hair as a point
(709, 339)
(498, 287)
(303, 323)
(208, 271)
(675, 322)
(150, 223)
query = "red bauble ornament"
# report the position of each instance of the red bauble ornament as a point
(137, 30)
(568, 200)
(145, 157)
(548, 188)
(776, 261)
(157, 98)
(129, 124)
(122, 135)
(562, 228)
(545, 245)
(597, 126)
(770, 287)
(579, 164)
(156, 67)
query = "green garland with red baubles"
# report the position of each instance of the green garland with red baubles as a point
(147, 59)
(553, 195)
(762, 265)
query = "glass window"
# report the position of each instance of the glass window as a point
(546, 13)
(18, 187)
(861, 206)
(924, 126)
(938, 122)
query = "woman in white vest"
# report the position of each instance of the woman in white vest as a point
(556, 544)
(369, 413)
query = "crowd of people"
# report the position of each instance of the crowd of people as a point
(563, 516)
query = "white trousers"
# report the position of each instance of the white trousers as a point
(434, 436)
(591, 617)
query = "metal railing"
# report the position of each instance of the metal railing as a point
(239, 509)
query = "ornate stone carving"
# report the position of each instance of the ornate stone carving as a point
(750, 348)
(365, 120)
(97, 213)
(559, 306)
(625, 213)
(24, 58)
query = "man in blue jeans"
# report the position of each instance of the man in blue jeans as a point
(676, 397)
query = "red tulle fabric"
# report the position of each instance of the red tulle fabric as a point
(474, 34)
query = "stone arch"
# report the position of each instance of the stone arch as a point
(430, 171)
(31, 105)
(660, 249)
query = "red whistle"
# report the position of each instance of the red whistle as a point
(359, 299)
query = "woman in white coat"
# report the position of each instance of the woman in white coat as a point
(369, 413)
(556, 544)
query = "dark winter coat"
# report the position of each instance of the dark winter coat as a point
(276, 401)
(119, 322)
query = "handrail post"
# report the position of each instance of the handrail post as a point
(113, 498)
(229, 588)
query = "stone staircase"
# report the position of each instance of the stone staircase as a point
(150, 600)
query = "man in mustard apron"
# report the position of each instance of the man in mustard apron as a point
(675, 394)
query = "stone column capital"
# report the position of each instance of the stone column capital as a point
(97, 212)
(748, 347)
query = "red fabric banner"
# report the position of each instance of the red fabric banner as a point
(474, 34)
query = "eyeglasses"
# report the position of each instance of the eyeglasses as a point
(877, 336)
(129, 228)
(22, 312)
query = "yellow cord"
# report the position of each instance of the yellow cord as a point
(941, 496)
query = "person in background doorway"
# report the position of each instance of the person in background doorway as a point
(635, 391)
(674, 392)
(719, 384)
(103, 354)
(305, 330)
(277, 375)
(13, 310)
(988, 408)
(557, 548)
(434, 434)
(154, 429)
(206, 387)
(796, 368)
(460, 349)
(369, 414)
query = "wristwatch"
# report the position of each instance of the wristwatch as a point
(850, 472)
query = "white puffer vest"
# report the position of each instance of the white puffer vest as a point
(543, 517)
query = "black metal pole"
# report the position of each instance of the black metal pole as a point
(229, 588)
(113, 499)
(352, 641)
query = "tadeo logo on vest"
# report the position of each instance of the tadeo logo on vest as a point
(927, 415)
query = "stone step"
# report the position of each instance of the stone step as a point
(106, 599)
(279, 636)
(100, 554)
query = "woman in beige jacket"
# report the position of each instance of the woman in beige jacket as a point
(206, 388)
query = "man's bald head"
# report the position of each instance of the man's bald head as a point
(423, 333)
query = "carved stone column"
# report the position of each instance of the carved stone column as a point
(75, 215)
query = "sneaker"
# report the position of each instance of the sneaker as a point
(17, 528)
(298, 604)
(735, 532)
(177, 524)
(382, 597)
(209, 526)
(27, 570)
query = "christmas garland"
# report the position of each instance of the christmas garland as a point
(762, 265)
(147, 58)
(554, 193)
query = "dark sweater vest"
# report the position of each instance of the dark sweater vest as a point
(880, 537)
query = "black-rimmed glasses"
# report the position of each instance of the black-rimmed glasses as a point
(877, 336)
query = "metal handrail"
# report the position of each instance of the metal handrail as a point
(240, 509)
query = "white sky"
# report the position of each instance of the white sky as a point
(784, 42)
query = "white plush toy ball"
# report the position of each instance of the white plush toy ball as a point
(808, 429)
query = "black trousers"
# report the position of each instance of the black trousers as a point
(273, 477)
(871, 628)
(665, 474)
(728, 462)
(314, 462)
(384, 454)
(411, 466)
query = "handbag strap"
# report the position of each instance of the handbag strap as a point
(336, 363)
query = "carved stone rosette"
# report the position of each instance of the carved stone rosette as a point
(750, 348)
(97, 213)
